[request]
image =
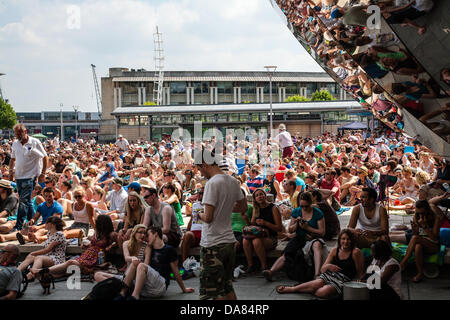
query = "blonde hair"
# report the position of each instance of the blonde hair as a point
(88, 181)
(99, 190)
(133, 244)
(422, 177)
(79, 190)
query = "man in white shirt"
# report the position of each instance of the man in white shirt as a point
(284, 139)
(28, 162)
(117, 197)
(221, 197)
(122, 143)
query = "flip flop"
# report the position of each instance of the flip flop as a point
(20, 238)
(417, 280)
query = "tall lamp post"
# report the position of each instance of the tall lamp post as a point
(270, 72)
(62, 125)
(76, 122)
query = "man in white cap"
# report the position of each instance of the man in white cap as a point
(284, 139)
(122, 143)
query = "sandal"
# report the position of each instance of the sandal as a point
(20, 238)
(417, 279)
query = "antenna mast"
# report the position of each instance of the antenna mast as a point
(159, 67)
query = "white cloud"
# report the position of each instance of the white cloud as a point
(46, 63)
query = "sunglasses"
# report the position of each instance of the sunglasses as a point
(148, 196)
(78, 196)
(304, 207)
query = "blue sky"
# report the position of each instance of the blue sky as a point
(47, 63)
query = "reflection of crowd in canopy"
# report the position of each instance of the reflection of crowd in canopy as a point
(372, 65)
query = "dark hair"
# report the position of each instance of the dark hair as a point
(103, 227)
(292, 183)
(349, 234)
(429, 215)
(59, 224)
(48, 190)
(152, 190)
(157, 230)
(67, 184)
(306, 196)
(372, 193)
(381, 250)
(317, 195)
(170, 186)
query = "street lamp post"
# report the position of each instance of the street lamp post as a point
(270, 72)
(76, 122)
(62, 126)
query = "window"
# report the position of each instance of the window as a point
(292, 88)
(331, 87)
(222, 117)
(311, 88)
(129, 121)
(248, 87)
(234, 117)
(225, 87)
(177, 87)
(144, 120)
(274, 87)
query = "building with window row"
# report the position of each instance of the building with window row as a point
(219, 99)
(49, 123)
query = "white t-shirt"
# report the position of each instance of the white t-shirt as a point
(197, 223)
(221, 191)
(396, 280)
(123, 145)
(28, 158)
(285, 139)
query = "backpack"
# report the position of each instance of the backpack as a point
(107, 289)
(297, 268)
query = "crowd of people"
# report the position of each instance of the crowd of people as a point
(146, 200)
(370, 62)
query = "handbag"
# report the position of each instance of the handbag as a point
(252, 232)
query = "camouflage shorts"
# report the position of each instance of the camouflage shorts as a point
(216, 278)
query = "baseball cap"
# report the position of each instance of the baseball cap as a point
(118, 181)
(135, 186)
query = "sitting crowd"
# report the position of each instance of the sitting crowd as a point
(140, 202)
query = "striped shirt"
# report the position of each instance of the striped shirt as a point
(252, 184)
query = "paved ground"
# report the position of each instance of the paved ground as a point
(257, 288)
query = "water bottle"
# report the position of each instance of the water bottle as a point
(101, 257)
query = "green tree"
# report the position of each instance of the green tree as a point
(8, 116)
(322, 95)
(297, 98)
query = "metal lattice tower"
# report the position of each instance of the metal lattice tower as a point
(159, 67)
(97, 91)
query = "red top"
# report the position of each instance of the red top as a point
(329, 186)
